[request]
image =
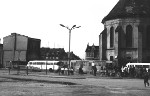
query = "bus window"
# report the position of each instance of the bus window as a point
(42, 63)
(55, 63)
(48, 63)
(71, 63)
(90, 64)
(38, 63)
(51, 63)
(30, 63)
(78, 64)
(34, 63)
(83, 64)
(145, 66)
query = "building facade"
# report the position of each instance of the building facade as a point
(92, 52)
(20, 48)
(53, 54)
(126, 34)
(56, 54)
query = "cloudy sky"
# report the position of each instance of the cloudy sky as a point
(41, 18)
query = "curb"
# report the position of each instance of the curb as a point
(37, 80)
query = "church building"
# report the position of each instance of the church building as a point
(126, 34)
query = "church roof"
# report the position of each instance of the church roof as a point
(129, 9)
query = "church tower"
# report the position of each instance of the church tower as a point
(126, 32)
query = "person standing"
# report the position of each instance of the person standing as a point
(95, 70)
(80, 69)
(93, 67)
(146, 77)
(59, 70)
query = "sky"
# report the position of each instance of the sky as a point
(41, 19)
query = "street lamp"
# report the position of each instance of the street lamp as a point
(70, 29)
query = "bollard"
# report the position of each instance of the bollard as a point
(46, 71)
(68, 71)
(9, 70)
(46, 68)
(18, 70)
(27, 70)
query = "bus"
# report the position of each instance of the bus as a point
(86, 65)
(147, 65)
(138, 65)
(43, 65)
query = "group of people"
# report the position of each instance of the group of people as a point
(131, 71)
(64, 70)
(93, 70)
(139, 72)
(134, 71)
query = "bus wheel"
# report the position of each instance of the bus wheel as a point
(51, 70)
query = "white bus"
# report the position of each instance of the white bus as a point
(137, 65)
(86, 65)
(146, 65)
(43, 65)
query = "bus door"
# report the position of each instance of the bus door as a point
(86, 67)
(77, 66)
(42, 65)
(54, 65)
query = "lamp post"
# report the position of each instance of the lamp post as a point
(18, 64)
(70, 29)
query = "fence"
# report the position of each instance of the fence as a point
(24, 70)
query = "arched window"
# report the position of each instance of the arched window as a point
(148, 36)
(118, 35)
(129, 32)
(112, 37)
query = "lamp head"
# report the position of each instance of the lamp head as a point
(78, 27)
(74, 26)
(62, 25)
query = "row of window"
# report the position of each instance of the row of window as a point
(52, 57)
(90, 54)
(129, 31)
(129, 36)
(147, 59)
(41, 63)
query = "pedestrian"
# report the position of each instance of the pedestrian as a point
(95, 70)
(146, 77)
(93, 67)
(72, 70)
(62, 69)
(80, 70)
(59, 69)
